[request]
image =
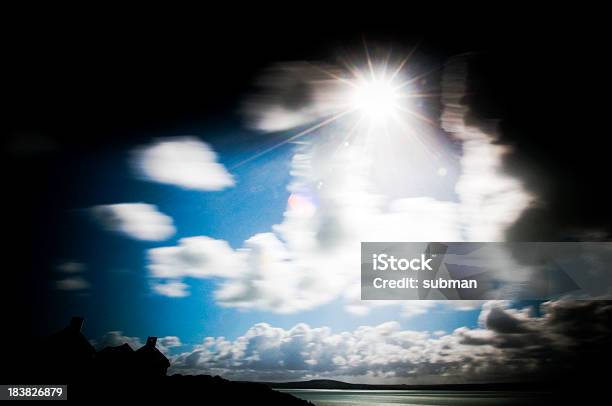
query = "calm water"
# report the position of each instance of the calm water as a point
(333, 397)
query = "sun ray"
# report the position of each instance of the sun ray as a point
(385, 65)
(334, 76)
(352, 68)
(418, 115)
(416, 135)
(418, 95)
(404, 61)
(416, 78)
(367, 52)
(294, 137)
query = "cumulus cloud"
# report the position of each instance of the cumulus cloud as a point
(183, 161)
(194, 257)
(171, 288)
(140, 221)
(116, 338)
(509, 344)
(265, 352)
(165, 343)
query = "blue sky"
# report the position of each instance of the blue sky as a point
(250, 254)
(120, 297)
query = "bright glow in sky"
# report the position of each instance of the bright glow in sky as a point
(376, 98)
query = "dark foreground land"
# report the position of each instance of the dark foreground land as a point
(119, 373)
(180, 389)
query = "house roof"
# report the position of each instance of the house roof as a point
(153, 355)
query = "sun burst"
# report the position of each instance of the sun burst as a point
(374, 95)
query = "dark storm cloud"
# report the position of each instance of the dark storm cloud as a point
(501, 322)
(284, 87)
(538, 105)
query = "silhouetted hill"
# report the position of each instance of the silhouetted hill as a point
(177, 389)
(332, 384)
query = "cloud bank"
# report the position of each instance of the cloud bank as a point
(508, 344)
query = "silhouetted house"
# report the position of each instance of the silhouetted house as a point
(117, 351)
(150, 361)
(67, 352)
(118, 361)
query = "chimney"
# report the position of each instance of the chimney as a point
(151, 342)
(76, 323)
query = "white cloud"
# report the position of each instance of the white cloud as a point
(73, 283)
(338, 199)
(168, 342)
(136, 220)
(382, 353)
(509, 344)
(116, 338)
(196, 257)
(184, 161)
(171, 289)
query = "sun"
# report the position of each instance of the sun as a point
(376, 99)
